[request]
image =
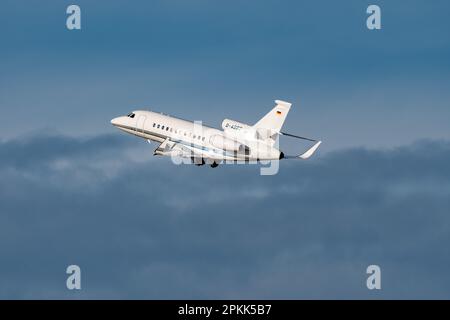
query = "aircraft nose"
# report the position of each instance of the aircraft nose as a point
(115, 121)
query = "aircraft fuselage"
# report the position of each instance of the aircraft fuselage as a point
(204, 142)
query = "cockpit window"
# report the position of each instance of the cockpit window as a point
(130, 115)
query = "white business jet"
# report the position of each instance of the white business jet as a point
(238, 142)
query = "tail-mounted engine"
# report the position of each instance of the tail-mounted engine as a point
(228, 144)
(234, 126)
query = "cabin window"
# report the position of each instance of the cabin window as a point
(167, 128)
(154, 124)
(162, 127)
(194, 136)
(158, 126)
(203, 138)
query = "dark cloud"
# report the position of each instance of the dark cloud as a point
(141, 227)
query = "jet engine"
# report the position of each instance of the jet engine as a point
(224, 143)
(231, 125)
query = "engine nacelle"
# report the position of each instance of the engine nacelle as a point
(231, 125)
(224, 143)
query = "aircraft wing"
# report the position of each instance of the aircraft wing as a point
(197, 154)
(179, 149)
(165, 146)
(307, 154)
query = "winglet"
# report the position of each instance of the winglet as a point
(310, 152)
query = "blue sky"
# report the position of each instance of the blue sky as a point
(74, 190)
(206, 60)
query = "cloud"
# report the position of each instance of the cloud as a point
(140, 227)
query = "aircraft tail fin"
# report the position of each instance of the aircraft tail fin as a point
(275, 118)
(268, 128)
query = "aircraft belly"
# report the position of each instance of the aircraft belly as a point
(153, 138)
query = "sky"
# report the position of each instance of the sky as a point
(74, 190)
